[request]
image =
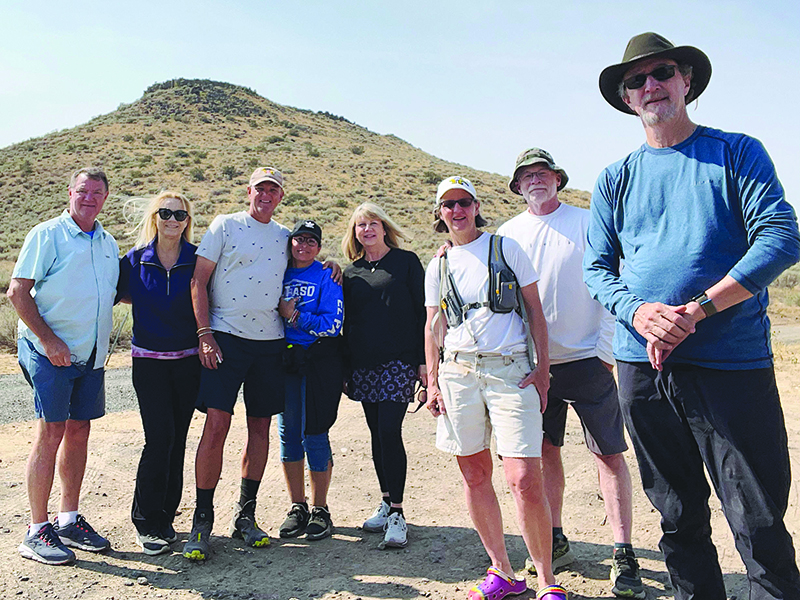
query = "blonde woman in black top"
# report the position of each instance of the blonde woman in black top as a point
(384, 334)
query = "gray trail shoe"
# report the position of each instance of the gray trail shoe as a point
(152, 543)
(198, 546)
(562, 554)
(244, 526)
(320, 524)
(46, 547)
(81, 535)
(296, 521)
(625, 575)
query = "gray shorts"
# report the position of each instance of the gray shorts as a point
(591, 390)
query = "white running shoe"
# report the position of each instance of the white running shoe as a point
(377, 522)
(396, 535)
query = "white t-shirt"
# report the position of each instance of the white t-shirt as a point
(487, 331)
(247, 281)
(578, 326)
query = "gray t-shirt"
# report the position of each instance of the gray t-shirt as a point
(246, 285)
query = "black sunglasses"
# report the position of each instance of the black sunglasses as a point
(662, 73)
(462, 202)
(165, 214)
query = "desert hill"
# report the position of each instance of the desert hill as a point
(205, 137)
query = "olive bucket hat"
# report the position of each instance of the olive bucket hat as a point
(652, 45)
(533, 156)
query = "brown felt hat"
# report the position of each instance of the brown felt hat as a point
(652, 45)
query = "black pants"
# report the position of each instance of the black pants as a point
(385, 420)
(167, 392)
(686, 417)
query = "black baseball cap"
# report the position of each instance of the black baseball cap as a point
(308, 226)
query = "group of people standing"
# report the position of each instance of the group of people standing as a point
(505, 331)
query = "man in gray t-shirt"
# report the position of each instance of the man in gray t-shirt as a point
(235, 291)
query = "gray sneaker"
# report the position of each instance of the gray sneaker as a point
(320, 524)
(244, 526)
(625, 575)
(81, 535)
(562, 554)
(151, 543)
(46, 547)
(377, 521)
(198, 547)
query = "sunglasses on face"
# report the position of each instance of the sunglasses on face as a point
(662, 73)
(308, 241)
(462, 202)
(165, 214)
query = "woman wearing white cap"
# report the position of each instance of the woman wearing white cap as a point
(485, 384)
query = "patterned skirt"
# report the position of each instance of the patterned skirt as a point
(392, 381)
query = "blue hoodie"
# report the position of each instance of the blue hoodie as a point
(320, 304)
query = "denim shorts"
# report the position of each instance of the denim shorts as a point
(59, 393)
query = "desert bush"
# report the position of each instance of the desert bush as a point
(431, 177)
(8, 327)
(148, 138)
(229, 172)
(196, 174)
(357, 150)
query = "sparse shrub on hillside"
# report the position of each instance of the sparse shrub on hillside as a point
(357, 150)
(126, 138)
(253, 162)
(341, 203)
(145, 160)
(148, 138)
(135, 173)
(314, 152)
(196, 174)
(170, 166)
(274, 139)
(295, 198)
(25, 168)
(166, 132)
(431, 177)
(181, 154)
(229, 172)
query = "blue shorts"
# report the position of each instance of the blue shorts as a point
(258, 364)
(59, 393)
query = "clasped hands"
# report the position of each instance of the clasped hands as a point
(664, 327)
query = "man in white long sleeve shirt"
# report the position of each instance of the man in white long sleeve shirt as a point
(580, 330)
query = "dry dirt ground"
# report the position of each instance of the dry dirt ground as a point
(443, 559)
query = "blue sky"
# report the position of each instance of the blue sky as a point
(472, 82)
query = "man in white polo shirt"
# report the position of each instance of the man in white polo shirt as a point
(553, 235)
(63, 289)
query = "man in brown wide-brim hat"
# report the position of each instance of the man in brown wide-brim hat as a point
(703, 225)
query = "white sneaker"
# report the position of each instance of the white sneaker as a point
(396, 531)
(377, 522)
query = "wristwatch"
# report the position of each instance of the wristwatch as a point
(705, 303)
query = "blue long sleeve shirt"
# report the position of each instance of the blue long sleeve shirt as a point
(320, 303)
(668, 223)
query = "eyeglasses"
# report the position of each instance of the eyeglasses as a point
(541, 174)
(662, 73)
(308, 241)
(165, 214)
(462, 202)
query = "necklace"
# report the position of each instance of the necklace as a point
(374, 264)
